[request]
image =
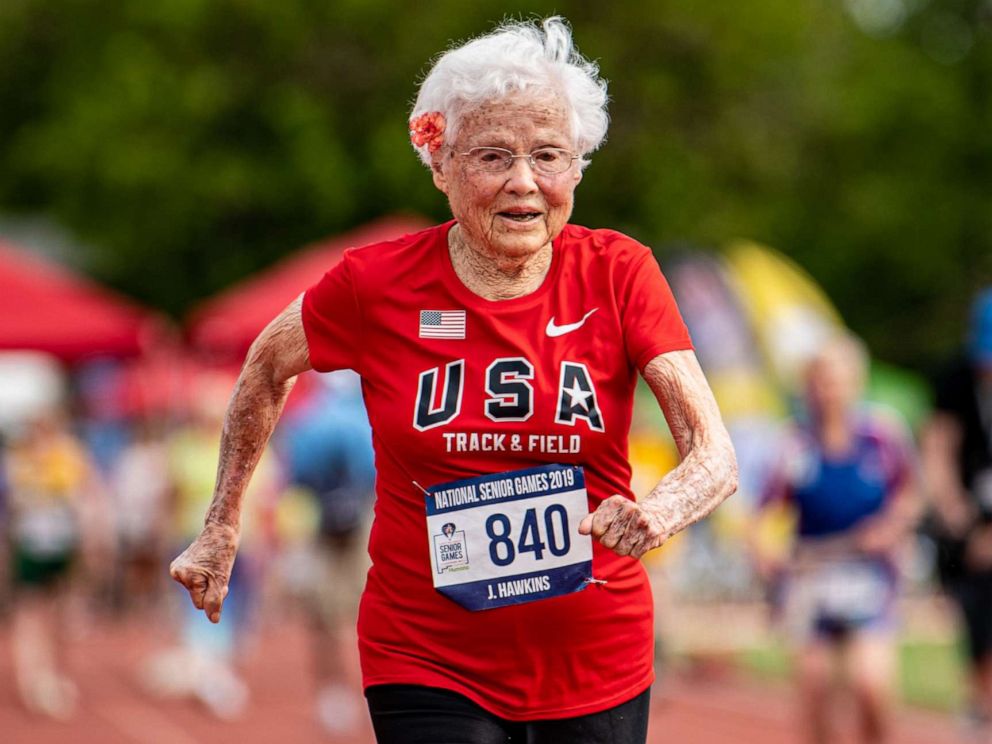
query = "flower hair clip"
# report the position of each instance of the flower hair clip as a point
(428, 129)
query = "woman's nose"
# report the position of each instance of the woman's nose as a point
(520, 178)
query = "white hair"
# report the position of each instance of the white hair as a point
(846, 347)
(517, 57)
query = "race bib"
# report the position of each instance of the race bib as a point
(45, 530)
(851, 591)
(509, 538)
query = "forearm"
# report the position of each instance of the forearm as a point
(268, 375)
(703, 480)
(707, 474)
(255, 407)
(906, 510)
(944, 486)
(274, 360)
(940, 445)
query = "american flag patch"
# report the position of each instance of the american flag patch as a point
(442, 324)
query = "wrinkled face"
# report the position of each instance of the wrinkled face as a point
(514, 213)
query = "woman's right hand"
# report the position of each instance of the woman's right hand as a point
(204, 568)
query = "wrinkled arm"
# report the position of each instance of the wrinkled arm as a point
(275, 358)
(706, 476)
(708, 472)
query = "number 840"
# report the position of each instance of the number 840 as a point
(502, 549)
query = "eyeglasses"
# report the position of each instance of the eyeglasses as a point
(549, 161)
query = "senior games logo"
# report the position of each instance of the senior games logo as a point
(450, 549)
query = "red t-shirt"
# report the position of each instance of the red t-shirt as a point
(427, 350)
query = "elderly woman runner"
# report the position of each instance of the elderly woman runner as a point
(498, 354)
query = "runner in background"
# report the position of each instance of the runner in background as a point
(143, 493)
(326, 446)
(53, 521)
(847, 471)
(957, 449)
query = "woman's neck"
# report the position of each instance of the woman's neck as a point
(835, 432)
(496, 278)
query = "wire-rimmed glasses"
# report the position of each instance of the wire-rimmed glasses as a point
(549, 161)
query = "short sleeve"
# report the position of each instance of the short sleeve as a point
(652, 324)
(332, 319)
(898, 452)
(776, 483)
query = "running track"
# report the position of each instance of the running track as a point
(114, 710)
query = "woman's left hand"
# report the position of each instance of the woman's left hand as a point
(878, 538)
(626, 527)
(704, 478)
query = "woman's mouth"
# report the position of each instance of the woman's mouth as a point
(520, 216)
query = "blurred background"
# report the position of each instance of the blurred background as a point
(173, 174)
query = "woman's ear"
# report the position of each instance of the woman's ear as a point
(437, 171)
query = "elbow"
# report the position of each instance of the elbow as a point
(263, 367)
(731, 483)
(718, 471)
(260, 361)
(731, 479)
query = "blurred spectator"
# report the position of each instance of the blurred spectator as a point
(142, 490)
(4, 517)
(958, 462)
(51, 524)
(331, 455)
(847, 471)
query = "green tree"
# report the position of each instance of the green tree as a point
(191, 142)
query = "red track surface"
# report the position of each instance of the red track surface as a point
(114, 710)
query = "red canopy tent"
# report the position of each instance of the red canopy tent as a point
(226, 325)
(46, 307)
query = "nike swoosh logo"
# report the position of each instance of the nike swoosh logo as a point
(560, 330)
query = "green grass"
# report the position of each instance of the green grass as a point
(930, 673)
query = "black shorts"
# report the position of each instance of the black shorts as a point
(40, 572)
(412, 714)
(973, 594)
